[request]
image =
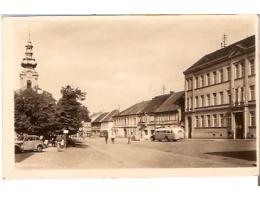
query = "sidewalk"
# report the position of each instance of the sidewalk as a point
(217, 139)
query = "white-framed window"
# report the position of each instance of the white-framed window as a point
(214, 77)
(228, 96)
(215, 122)
(242, 94)
(221, 98)
(221, 76)
(252, 67)
(202, 80)
(208, 99)
(202, 121)
(237, 71)
(242, 64)
(190, 103)
(196, 82)
(196, 102)
(208, 121)
(214, 99)
(196, 121)
(228, 120)
(221, 120)
(252, 92)
(208, 79)
(202, 101)
(252, 118)
(228, 73)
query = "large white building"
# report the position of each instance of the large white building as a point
(220, 93)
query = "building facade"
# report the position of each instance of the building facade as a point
(29, 77)
(107, 123)
(143, 118)
(103, 122)
(220, 93)
(96, 124)
(126, 122)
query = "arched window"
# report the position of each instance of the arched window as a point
(29, 84)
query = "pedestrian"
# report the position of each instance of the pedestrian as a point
(106, 136)
(129, 137)
(113, 136)
(58, 140)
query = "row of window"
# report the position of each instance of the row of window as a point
(220, 75)
(219, 120)
(125, 121)
(215, 120)
(145, 118)
(220, 98)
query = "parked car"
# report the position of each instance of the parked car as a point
(168, 134)
(29, 143)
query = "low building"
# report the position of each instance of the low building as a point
(143, 118)
(171, 112)
(107, 123)
(96, 124)
(147, 123)
(126, 121)
(162, 111)
(220, 93)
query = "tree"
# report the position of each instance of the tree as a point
(70, 112)
(34, 112)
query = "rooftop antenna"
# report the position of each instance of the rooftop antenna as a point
(224, 41)
(163, 89)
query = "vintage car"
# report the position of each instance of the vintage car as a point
(168, 134)
(29, 143)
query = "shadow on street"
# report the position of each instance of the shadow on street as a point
(245, 155)
(19, 157)
(79, 145)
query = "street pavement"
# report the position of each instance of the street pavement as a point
(93, 153)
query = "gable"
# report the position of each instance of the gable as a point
(236, 50)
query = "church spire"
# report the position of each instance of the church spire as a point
(29, 61)
(29, 77)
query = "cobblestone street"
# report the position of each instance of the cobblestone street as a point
(94, 153)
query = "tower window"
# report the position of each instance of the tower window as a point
(29, 84)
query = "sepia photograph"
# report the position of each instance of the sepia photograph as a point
(130, 95)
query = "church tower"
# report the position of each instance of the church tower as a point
(29, 77)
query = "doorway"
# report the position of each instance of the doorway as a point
(189, 127)
(239, 119)
(29, 84)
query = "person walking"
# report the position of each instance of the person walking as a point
(129, 137)
(58, 140)
(106, 136)
(113, 136)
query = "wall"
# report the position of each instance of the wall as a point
(211, 133)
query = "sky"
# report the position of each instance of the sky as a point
(118, 60)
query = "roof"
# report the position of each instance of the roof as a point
(100, 117)
(93, 116)
(135, 109)
(171, 103)
(222, 53)
(155, 103)
(109, 116)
